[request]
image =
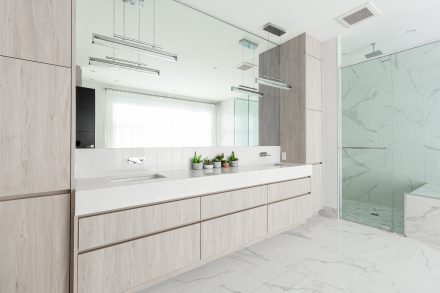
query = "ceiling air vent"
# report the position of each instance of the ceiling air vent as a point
(274, 29)
(358, 14)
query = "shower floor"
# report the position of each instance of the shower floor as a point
(386, 218)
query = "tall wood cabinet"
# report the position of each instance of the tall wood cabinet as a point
(35, 145)
(299, 112)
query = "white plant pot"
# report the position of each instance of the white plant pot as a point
(197, 166)
(234, 163)
(208, 166)
(217, 164)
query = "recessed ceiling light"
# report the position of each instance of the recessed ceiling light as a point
(410, 31)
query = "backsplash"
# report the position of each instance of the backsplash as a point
(101, 162)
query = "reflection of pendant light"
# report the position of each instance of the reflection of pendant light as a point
(132, 45)
(273, 82)
(123, 64)
(246, 90)
(242, 88)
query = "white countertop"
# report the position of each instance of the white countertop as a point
(427, 190)
(99, 194)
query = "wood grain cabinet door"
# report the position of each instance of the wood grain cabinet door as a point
(126, 266)
(37, 30)
(34, 245)
(35, 127)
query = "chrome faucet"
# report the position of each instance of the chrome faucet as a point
(264, 154)
(136, 160)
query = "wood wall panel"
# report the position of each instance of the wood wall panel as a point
(34, 245)
(37, 30)
(35, 125)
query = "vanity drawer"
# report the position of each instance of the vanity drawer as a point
(229, 202)
(226, 234)
(288, 213)
(288, 189)
(114, 227)
(128, 265)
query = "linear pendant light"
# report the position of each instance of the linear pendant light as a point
(132, 46)
(123, 64)
(273, 82)
(246, 90)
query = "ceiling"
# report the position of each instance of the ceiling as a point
(388, 30)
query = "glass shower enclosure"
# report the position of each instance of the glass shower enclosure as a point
(390, 134)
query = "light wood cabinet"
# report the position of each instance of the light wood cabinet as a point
(35, 127)
(288, 189)
(313, 83)
(288, 213)
(34, 245)
(128, 265)
(114, 227)
(314, 137)
(228, 233)
(37, 30)
(317, 192)
(229, 202)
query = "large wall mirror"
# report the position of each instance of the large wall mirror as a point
(157, 73)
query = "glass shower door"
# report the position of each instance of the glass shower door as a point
(366, 137)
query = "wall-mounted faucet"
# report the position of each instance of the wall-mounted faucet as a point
(136, 160)
(264, 154)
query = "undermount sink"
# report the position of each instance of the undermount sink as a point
(136, 177)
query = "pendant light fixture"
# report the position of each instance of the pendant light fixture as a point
(133, 45)
(273, 82)
(123, 64)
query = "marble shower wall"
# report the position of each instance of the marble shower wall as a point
(392, 106)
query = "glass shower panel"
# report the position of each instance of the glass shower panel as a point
(367, 130)
(431, 122)
(408, 135)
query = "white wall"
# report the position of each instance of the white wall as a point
(331, 88)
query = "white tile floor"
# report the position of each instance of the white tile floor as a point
(326, 255)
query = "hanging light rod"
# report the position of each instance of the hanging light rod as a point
(123, 64)
(246, 90)
(137, 41)
(273, 82)
(132, 46)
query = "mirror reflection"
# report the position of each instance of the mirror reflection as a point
(161, 74)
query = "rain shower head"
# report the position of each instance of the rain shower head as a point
(374, 52)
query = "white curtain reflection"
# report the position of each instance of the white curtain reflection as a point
(140, 120)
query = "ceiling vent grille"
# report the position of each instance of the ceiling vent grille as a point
(358, 15)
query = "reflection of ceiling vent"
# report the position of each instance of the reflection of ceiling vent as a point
(139, 3)
(274, 29)
(358, 14)
(245, 66)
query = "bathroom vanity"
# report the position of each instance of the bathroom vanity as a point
(131, 234)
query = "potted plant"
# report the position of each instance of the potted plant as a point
(225, 163)
(233, 159)
(207, 164)
(218, 161)
(197, 162)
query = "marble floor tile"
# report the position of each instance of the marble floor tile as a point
(325, 255)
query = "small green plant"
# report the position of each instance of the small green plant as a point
(232, 157)
(219, 158)
(196, 159)
(207, 162)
